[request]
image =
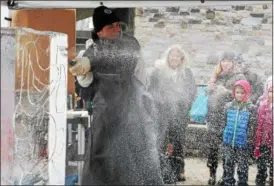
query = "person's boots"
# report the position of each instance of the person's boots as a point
(271, 181)
(220, 182)
(182, 177)
(243, 184)
(212, 178)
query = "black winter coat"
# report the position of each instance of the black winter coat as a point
(122, 146)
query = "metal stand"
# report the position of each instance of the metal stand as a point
(82, 119)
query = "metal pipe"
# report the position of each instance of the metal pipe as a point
(125, 4)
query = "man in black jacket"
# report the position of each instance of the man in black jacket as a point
(122, 145)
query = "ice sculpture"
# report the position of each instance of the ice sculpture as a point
(33, 106)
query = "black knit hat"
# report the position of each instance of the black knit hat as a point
(103, 16)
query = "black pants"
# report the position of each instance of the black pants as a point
(263, 162)
(233, 155)
(212, 161)
(176, 138)
(174, 165)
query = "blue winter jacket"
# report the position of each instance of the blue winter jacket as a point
(240, 124)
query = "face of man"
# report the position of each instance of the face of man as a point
(111, 31)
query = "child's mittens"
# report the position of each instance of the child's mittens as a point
(257, 152)
(169, 150)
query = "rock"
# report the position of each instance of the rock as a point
(212, 59)
(258, 33)
(265, 6)
(236, 20)
(143, 24)
(268, 15)
(249, 8)
(203, 10)
(194, 21)
(257, 27)
(211, 28)
(206, 22)
(222, 8)
(229, 17)
(174, 13)
(195, 10)
(158, 15)
(184, 13)
(240, 46)
(230, 32)
(261, 42)
(246, 30)
(219, 22)
(237, 38)
(238, 7)
(257, 14)
(160, 24)
(266, 26)
(210, 14)
(172, 9)
(264, 20)
(251, 21)
(173, 19)
(151, 10)
(199, 27)
(184, 24)
(153, 19)
(219, 36)
(254, 50)
(139, 12)
(243, 14)
(258, 8)
(269, 20)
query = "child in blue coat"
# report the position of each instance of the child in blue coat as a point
(238, 133)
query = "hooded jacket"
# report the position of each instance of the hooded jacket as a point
(122, 145)
(217, 98)
(173, 91)
(264, 131)
(240, 119)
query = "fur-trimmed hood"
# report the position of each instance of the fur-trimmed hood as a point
(163, 66)
(163, 62)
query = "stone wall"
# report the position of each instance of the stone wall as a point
(205, 32)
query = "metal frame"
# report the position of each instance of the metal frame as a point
(17, 4)
(82, 119)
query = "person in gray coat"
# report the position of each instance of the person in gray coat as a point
(122, 144)
(219, 93)
(255, 80)
(173, 88)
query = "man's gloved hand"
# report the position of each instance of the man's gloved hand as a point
(85, 80)
(81, 67)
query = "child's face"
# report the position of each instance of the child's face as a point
(239, 93)
(227, 65)
(270, 95)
